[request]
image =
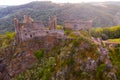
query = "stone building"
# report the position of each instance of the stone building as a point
(29, 29)
(77, 25)
(52, 23)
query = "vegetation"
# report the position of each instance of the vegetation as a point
(59, 27)
(106, 33)
(39, 54)
(6, 39)
(115, 55)
(100, 15)
(114, 40)
(39, 71)
(67, 60)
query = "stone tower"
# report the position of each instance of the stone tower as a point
(17, 34)
(27, 19)
(52, 23)
(16, 25)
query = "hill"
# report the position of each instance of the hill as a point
(76, 57)
(2, 6)
(103, 14)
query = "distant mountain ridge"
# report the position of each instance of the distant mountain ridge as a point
(102, 14)
(3, 6)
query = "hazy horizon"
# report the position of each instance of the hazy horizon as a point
(20, 2)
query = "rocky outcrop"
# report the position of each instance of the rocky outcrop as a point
(104, 58)
(20, 57)
(4, 75)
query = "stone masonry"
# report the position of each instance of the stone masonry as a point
(30, 29)
(77, 25)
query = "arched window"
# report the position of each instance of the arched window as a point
(30, 35)
(25, 34)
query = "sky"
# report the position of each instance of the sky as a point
(19, 2)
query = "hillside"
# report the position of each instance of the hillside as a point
(103, 14)
(2, 6)
(76, 57)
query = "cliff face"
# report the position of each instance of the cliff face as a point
(20, 57)
(76, 57)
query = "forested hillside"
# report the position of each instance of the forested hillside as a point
(2, 6)
(103, 14)
(107, 32)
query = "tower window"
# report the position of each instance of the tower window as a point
(31, 36)
(25, 34)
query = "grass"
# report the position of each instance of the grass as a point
(114, 40)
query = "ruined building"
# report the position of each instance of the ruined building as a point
(77, 25)
(29, 29)
(52, 23)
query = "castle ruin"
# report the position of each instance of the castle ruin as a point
(29, 29)
(77, 25)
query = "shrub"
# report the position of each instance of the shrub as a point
(39, 54)
(59, 27)
(106, 33)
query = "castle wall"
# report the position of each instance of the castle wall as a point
(27, 19)
(30, 29)
(32, 34)
(77, 25)
(52, 23)
(38, 25)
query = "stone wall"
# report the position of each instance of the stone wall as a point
(77, 25)
(52, 23)
(30, 29)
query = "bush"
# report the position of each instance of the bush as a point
(106, 33)
(41, 71)
(59, 27)
(115, 59)
(39, 54)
